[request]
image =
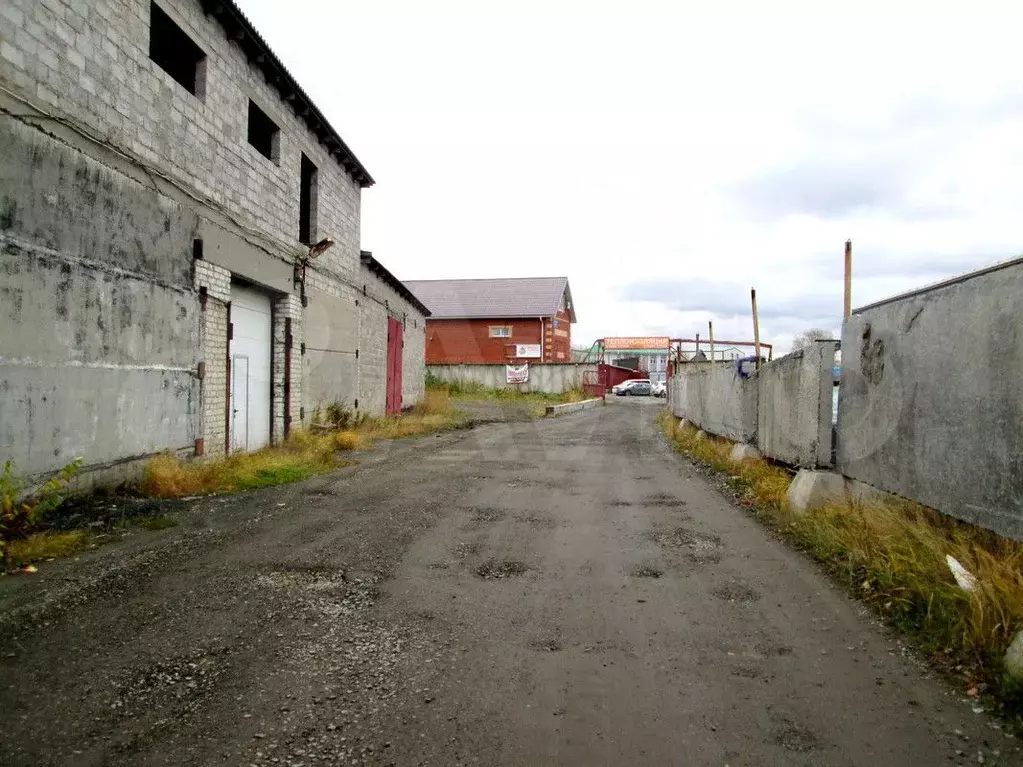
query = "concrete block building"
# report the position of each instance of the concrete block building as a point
(498, 320)
(180, 258)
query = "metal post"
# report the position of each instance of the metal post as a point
(756, 325)
(696, 354)
(848, 278)
(710, 331)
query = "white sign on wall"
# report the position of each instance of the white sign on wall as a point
(528, 351)
(516, 374)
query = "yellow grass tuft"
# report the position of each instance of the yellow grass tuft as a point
(48, 545)
(893, 556)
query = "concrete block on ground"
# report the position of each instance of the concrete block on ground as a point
(742, 451)
(1014, 658)
(572, 407)
(812, 489)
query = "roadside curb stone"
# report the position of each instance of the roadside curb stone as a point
(1014, 658)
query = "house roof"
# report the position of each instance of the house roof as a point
(496, 298)
(382, 272)
(239, 29)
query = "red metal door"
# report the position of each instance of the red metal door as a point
(395, 344)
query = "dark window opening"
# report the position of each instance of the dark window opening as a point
(307, 203)
(264, 134)
(174, 52)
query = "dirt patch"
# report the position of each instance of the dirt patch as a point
(736, 592)
(496, 569)
(646, 571)
(619, 504)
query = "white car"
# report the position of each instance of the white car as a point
(659, 389)
(632, 387)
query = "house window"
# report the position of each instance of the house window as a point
(307, 203)
(500, 331)
(264, 134)
(173, 51)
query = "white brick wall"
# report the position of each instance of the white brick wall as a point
(288, 307)
(213, 352)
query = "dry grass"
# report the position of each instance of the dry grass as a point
(49, 545)
(304, 454)
(893, 557)
(435, 413)
(465, 390)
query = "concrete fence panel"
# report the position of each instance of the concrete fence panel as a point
(553, 378)
(931, 397)
(717, 399)
(794, 409)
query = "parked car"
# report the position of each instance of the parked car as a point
(638, 387)
(659, 389)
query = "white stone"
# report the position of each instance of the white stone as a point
(743, 451)
(701, 434)
(812, 489)
(1014, 658)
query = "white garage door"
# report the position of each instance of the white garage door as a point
(250, 368)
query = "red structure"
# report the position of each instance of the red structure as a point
(395, 345)
(497, 321)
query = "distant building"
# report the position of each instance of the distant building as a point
(497, 320)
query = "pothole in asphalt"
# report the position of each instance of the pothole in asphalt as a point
(487, 514)
(467, 549)
(663, 500)
(699, 547)
(794, 737)
(546, 644)
(647, 571)
(745, 672)
(538, 521)
(495, 569)
(736, 592)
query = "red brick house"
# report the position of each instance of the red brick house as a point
(502, 320)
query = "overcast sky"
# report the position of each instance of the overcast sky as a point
(665, 159)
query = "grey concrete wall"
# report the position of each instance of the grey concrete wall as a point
(717, 400)
(331, 369)
(931, 398)
(552, 378)
(794, 406)
(100, 331)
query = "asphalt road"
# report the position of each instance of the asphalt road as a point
(561, 592)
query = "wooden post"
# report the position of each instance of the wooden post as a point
(848, 278)
(710, 332)
(756, 325)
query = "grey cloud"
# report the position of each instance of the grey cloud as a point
(827, 188)
(728, 299)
